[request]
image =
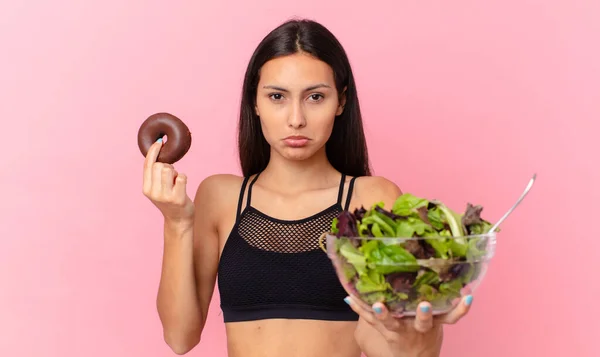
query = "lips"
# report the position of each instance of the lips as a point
(296, 141)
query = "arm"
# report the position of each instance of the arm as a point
(370, 190)
(374, 339)
(371, 342)
(188, 276)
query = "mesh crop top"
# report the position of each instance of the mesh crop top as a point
(273, 268)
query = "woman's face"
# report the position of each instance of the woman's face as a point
(297, 103)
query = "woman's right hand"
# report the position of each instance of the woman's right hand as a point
(166, 188)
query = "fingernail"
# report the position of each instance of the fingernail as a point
(159, 140)
(469, 300)
(377, 309)
(425, 308)
(347, 300)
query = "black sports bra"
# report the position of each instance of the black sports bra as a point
(273, 268)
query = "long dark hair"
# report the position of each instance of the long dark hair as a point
(347, 147)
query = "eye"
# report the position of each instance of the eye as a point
(276, 96)
(316, 97)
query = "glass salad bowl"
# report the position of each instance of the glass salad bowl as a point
(381, 269)
(417, 251)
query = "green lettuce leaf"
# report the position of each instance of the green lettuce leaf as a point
(402, 272)
(408, 204)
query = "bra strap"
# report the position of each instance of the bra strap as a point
(239, 207)
(349, 196)
(341, 189)
(250, 190)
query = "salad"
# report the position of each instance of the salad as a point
(424, 251)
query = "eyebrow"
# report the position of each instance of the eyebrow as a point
(313, 87)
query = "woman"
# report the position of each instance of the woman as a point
(304, 159)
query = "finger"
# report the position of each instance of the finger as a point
(459, 311)
(167, 179)
(157, 179)
(363, 313)
(424, 318)
(179, 188)
(149, 163)
(383, 315)
(152, 153)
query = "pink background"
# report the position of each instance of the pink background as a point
(463, 101)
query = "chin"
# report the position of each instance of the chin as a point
(297, 154)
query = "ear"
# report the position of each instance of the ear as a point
(342, 101)
(256, 110)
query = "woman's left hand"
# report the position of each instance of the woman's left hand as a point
(411, 336)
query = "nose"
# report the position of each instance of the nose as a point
(296, 118)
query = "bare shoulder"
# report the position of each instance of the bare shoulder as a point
(218, 184)
(372, 189)
(218, 192)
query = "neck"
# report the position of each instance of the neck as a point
(298, 175)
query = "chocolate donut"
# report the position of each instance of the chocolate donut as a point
(179, 138)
